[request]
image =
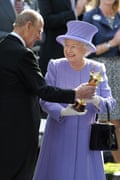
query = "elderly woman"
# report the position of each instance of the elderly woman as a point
(65, 152)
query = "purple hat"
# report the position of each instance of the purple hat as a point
(79, 31)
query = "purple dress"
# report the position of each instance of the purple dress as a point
(65, 153)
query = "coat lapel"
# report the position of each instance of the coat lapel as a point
(68, 3)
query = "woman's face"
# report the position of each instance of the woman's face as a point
(74, 50)
(107, 2)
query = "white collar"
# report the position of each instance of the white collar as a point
(19, 37)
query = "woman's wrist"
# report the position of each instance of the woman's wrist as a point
(102, 48)
(108, 45)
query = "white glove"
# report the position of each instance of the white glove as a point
(69, 111)
(95, 100)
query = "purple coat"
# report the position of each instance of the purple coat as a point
(65, 153)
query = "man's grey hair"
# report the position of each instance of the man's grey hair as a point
(28, 15)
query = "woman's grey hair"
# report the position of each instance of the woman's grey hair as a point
(28, 15)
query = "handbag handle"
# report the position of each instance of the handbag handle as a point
(108, 112)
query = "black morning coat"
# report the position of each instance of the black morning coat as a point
(21, 86)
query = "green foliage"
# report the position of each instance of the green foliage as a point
(112, 168)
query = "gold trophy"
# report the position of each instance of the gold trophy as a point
(95, 79)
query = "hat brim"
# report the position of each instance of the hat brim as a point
(60, 39)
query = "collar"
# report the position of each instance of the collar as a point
(19, 37)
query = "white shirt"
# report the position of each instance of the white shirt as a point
(19, 37)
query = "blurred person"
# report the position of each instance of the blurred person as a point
(7, 17)
(31, 4)
(8, 14)
(81, 7)
(21, 85)
(65, 152)
(106, 17)
(56, 14)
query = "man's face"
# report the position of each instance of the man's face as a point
(32, 33)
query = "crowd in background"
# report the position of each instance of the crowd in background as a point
(104, 14)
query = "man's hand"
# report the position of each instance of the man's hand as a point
(85, 91)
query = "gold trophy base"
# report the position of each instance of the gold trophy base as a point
(79, 105)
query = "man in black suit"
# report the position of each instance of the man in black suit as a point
(21, 86)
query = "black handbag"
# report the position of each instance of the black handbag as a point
(103, 136)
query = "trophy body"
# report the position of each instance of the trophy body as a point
(95, 79)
